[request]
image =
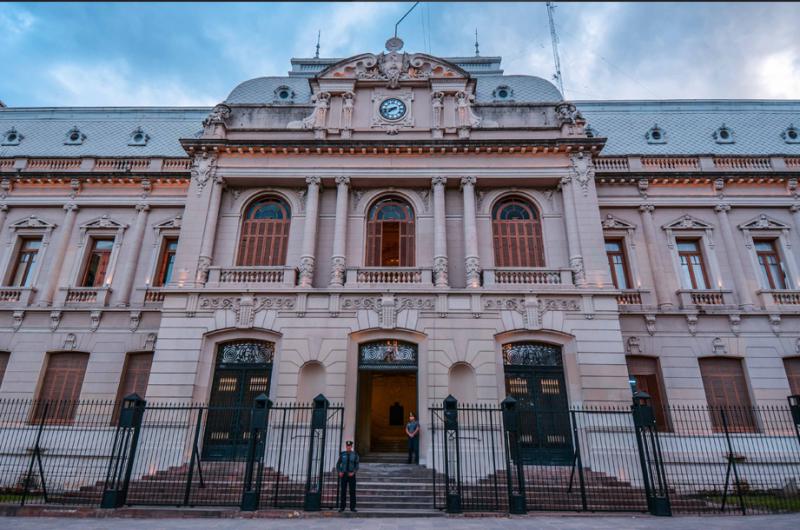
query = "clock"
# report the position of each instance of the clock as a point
(392, 109)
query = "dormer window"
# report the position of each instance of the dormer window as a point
(139, 137)
(284, 94)
(74, 136)
(503, 93)
(791, 135)
(656, 135)
(12, 137)
(724, 135)
(590, 131)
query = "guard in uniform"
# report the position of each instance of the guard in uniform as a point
(347, 466)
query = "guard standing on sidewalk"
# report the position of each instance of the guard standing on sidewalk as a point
(412, 431)
(347, 466)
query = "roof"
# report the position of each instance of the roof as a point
(524, 89)
(263, 90)
(476, 66)
(107, 130)
(688, 126)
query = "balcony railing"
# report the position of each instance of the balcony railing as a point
(693, 298)
(630, 297)
(153, 295)
(773, 297)
(87, 295)
(253, 276)
(16, 295)
(499, 277)
(413, 276)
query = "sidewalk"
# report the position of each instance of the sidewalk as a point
(587, 522)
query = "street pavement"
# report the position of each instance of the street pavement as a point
(582, 522)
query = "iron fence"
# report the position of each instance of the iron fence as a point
(168, 454)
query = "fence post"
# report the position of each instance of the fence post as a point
(452, 455)
(123, 453)
(731, 457)
(794, 405)
(654, 478)
(259, 420)
(36, 455)
(316, 455)
(514, 466)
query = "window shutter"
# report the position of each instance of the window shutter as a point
(136, 376)
(62, 383)
(373, 243)
(407, 244)
(792, 365)
(726, 389)
(645, 370)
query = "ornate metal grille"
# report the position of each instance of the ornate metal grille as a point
(531, 354)
(387, 354)
(246, 352)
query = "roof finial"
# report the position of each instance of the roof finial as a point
(316, 55)
(477, 51)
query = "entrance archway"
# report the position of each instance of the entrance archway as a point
(534, 376)
(242, 372)
(387, 393)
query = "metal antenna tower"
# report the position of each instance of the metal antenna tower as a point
(554, 39)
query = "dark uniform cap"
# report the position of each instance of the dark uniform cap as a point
(349, 443)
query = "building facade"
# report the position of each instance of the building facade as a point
(392, 228)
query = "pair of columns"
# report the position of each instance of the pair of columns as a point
(339, 259)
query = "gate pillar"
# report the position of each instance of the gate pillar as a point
(254, 470)
(452, 455)
(315, 468)
(515, 471)
(653, 474)
(123, 452)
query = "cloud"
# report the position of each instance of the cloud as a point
(14, 24)
(779, 74)
(344, 27)
(112, 84)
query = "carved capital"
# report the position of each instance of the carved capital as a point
(70, 207)
(341, 181)
(722, 208)
(472, 266)
(313, 181)
(794, 208)
(142, 207)
(647, 208)
(3, 207)
(439, 181)
(468, 181)
(338, 271)
(440, 278)
(306, 268)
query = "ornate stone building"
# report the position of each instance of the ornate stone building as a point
(391, 228)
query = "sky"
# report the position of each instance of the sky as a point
(194, 54)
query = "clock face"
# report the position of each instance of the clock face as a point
(392, 109)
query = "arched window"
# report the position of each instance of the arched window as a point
(517, 234)
(390, 234)
(265, 232)
(462, 383)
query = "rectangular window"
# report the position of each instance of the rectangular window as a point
(792, 365)
(4, 356)
(166, 262)
(693, 268)
(25, 264)
(644, 376)
(97, 264)
(727, 395)
(770, 262)
(61, 386)
(617, 262)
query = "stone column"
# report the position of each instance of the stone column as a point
(310, 232)
(134, 249)
(339, 259)
(573, 241)
(51, 283)
(440, 233)
(734, 259)
(795, 209)
(655, 256)
(210, 232)
(472, 262)
(3, 215)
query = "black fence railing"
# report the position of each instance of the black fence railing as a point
(90, 453)
(700, 460)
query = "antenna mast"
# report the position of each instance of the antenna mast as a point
(554, 40)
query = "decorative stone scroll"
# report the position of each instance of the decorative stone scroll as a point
(387, 355)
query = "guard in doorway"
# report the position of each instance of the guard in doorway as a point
(347, 466)
(412, 431)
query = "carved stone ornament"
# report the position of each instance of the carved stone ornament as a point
(32, 221)
(55, 320)
(687, 222)
(260, 303)
(578, 271)
(518, 304)
(612, 222)
(718, 347)
(466, 118)
(735, 322)
(218, 116)
(419, 303)
(691, 322)
(338, 271)
(763, 222)
(16, 319)
(440, 271)
(318, 118)
(150, 341)
(567, 112)
(633, 346)
(103, 222)
(348, 103)
(203, 264)
(94, 320)
(172, 223)
(360, 303)
(70, 342)
(582, 170)
(437, 110)
(306, 271)
(472, 267)
(775, 323)
(650, 324)
(136, 318)
(203, 168)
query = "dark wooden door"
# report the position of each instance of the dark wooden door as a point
(546, 435)
(228, 417)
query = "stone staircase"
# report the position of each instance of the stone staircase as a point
(386, 485)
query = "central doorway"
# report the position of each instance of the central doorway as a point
(387, 393)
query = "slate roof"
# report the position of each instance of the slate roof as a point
(689, 126)
(108, 130)
(261, 90)
(524, 88)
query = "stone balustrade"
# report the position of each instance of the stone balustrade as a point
(629, 297)
(742, 163)
(499, 277)
(693, 298)
(153, 296)
(778, 297)
(97, 296)
(18, 296)
(251, 276)
(54, 164)
(611, 164)
(412, 276)
(671, 163)
(122, 164)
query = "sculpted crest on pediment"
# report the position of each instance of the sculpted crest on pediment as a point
(393, 67)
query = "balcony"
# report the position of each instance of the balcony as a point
(153, 296)
(780, 297)
(396, 276)
(251, 277)
(705, 298)
(86, 296)
(516, 277)
(16, 296)
(633, 297)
